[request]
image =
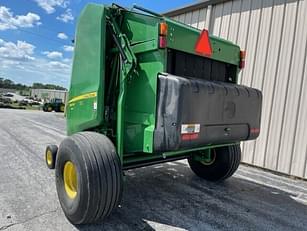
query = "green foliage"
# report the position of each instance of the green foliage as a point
(9, 84)
(47, 86)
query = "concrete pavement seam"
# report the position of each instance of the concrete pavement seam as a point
(27, 220)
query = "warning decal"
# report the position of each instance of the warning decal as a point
(190, 128)
(190, 131)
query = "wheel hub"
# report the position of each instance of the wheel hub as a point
(209, 157)
(49, 157)
(70, 180)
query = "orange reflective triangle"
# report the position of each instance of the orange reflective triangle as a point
(203, 45)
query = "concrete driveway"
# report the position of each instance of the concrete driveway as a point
(162, 197)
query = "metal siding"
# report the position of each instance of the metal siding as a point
(247, 74)
(181, 18)
(280, 93)
(260, 65)
(195, 18)
(202, 19)
(267, 73)
(217, 15)
(225, 22)
(176, 18)
(293, 91)
(234, 21)
(298, 96)
(270, 80)
(188, 18)
(299, 161)
(243, 29)
(49, 93)
(274, 34)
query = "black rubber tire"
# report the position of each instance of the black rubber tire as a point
(57, 108)
(49, 108)
(45, 109)
(99, 176)
(227, 161)
(53, 149)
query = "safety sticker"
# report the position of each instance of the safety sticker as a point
(190, 128)
(190, 131)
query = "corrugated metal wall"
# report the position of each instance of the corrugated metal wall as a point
(274, 34)
(49, 94)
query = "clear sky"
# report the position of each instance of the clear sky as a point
(35, 36)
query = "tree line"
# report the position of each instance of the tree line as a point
(9, 84)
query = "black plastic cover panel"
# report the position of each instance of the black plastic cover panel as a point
(193, 112)
(194, 66)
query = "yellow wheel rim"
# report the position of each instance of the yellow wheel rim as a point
(49, 158)
(212, 160)
(62, 108)
(70, 180)
(49, 109)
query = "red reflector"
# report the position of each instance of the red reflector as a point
(191, 136)
(162, 42)
(242, 59)
(242, 55)
(203, 45)
(242, 64)
(255, 130)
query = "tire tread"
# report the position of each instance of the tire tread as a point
(103, 176)
(219, 171)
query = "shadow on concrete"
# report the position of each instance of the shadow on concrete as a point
(170, 196)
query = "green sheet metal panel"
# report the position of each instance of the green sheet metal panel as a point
(140, 28)
(141, 102)
(142, 32)
(183, 37)
(86, 95)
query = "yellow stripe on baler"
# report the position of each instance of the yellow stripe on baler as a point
(82, 97)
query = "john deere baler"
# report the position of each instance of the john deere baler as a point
(145, 90)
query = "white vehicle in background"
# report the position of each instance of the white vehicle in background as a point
(13, 97)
